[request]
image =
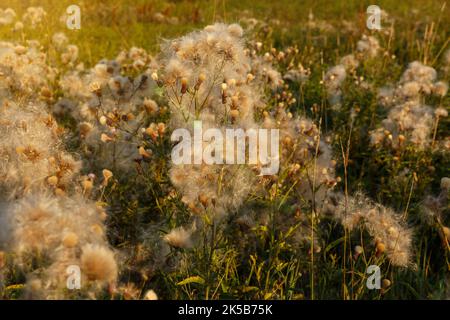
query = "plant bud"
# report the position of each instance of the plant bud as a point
(203, 200)
(145, 153)
(184, 85)
(380, 248)
(386, 283)
(200, 80)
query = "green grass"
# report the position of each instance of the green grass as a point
(121, 24)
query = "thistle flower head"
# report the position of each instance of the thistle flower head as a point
(392, 237)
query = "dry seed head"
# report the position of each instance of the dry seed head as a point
(53, 180)
(70, 240)
(103, 215)
(231, 82)
(184, 83)
(441, 112)
(46, 93)
(446, 232)
(386, 283)
(235, 30)
(161, 128)
(200, 80)
(150, 105)
(358, 250)
(201, 77)
(234, 101)
(35, 285)
(59, 192)
(85, 128)
(107, 174)
(179, 238)
(287, 141)
(20, 50)
(98, 263)
(224, 87)
(150, 295)
(105, 138)
(445, 183)
(103, 120)
(20, 150)
(234, 114)
(97, 229)
(203, 199)
(380, 248)
(87, 185)
(2, 259)
(95, 87)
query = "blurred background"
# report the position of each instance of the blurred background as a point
(109, 26)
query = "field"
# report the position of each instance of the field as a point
(93, 204)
